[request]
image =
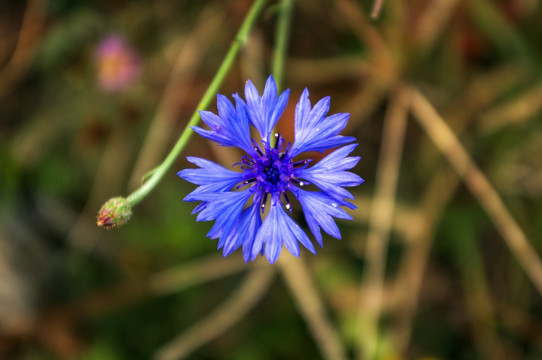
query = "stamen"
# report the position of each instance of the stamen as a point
(288, 203)
(256, 147)
(299, 182)
(287, 147)
(278, 139)
(246, 182)
(264, 200)
(245, 160)
(301, 163)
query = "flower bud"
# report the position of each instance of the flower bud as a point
(115, 212)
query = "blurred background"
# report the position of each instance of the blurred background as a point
(436, 264)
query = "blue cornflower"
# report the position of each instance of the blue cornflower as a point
(237, 200)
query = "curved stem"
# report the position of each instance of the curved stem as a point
(159, 172)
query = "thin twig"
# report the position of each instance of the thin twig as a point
(362, 28)
(434, 18)
(377, 6)
(459, 158)
(385, 65)
(223, 317)
(311, 306)
(380, 223)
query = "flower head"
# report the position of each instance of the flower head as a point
(117, 63)
(271, 172)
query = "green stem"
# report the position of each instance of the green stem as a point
(159, 172)
(281, 42)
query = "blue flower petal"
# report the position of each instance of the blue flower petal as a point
(302, 111)
(212, 178)
(265, 111)
(226, 110)
(230, 127)
(319, 211)
(209, 173)
(221, 204)
(206, 189)
(243, 233)
(225, 210)
(199, 207)
(279, 109)
(338, 160)
(278, 229)
(313, 130)
(330, 175)
(269, 98)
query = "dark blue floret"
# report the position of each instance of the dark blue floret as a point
(236, 200)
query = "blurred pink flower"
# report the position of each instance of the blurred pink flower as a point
(118, 65)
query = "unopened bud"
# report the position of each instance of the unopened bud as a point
(115, 212)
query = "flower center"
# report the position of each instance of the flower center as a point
(271, 172)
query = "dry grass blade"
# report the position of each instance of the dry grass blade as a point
(432, 22)
(443, 137)
(377, 7)
(514, 112)
(195, 272)
(419, 236)
(223, 317)
(311, 306)
(29, 36)
(419, 227)
(380, 222)
(171, 280)
(404, 215)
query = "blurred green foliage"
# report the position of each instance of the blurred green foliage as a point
(66, 146)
